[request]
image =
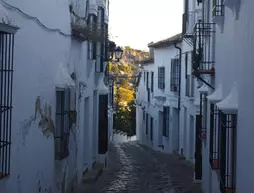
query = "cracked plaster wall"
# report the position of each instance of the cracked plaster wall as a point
(37, 54)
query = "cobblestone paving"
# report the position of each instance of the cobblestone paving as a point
(135, 168)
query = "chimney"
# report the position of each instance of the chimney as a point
(151, 50)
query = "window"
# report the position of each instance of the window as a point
(189, 86)
(218, 8)
(228, 123)
(92, 20)
(147, 81)
(6, 82)
(161, 77)
(151, 128)
(101, 43)
(146, 123)
(62, 129)
(165, 125)
(214, 148)
(148, 95)
(189, 78)
(152, 76)
(103, 124)
(203, 113)
(175, 75)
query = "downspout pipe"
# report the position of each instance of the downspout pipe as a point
(179, 92)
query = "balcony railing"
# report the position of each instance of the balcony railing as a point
(201, 57)
(82, 30)
(218, 8)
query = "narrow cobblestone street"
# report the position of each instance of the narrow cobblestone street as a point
(136, 169)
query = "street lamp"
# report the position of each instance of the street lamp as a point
(113, 51)
(118, 53)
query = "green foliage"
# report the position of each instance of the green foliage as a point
(125, 94)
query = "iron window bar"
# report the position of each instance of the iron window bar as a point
(6, 84)
(62, 130)
(152, 83)
(175, 75)
(148, 95)
(146, 123)
(147, 81)
(161, 78)
(203, 111)
(218, 8)
(228, 123)
(214, 149)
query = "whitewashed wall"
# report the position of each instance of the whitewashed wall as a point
(37, 55)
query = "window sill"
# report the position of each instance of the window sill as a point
(3, 175)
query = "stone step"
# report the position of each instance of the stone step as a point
(93, 174)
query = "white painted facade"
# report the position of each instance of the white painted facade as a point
(230, 49)
(159, 98)
(38, 53)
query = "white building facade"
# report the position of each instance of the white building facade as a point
(157, 96)
(221, 41)
(54, 103)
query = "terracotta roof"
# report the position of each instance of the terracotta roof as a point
(167, 42)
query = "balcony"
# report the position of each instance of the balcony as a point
(202, 58)
(188, 22)
(83, 31)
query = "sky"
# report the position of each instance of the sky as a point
(136, 23)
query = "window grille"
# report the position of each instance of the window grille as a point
(146, 123)
(147, 81)
(218, 8)
(165, 127)
(228, 123)
(148, 95)
(175, 75)
(6, 83)
(62, 129)
(100, 44)
(161, 77)
(92, 19)
(151, 128)
(152, 77)
(214, 148)
(203, 113)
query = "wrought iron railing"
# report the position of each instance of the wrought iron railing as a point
(202, 60)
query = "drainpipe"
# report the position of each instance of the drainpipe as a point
(179, 92)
